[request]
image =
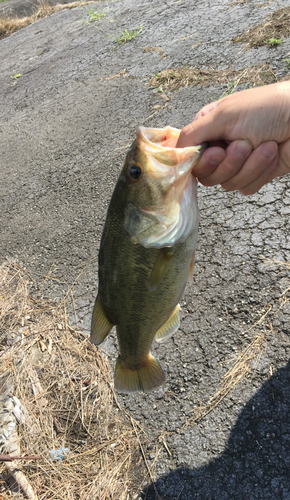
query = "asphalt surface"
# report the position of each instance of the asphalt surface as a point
(65, 125)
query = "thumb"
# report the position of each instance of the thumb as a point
(204, 129)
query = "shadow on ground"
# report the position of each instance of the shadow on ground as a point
(259, 444)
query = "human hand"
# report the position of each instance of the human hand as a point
(249, 136)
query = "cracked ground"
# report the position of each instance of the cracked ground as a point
(65, 126)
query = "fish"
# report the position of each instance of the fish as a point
(146, 254)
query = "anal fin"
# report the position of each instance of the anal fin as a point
(169, 327)
(144, 377)
(101, 326)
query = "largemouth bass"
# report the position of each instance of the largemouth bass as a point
(147, 254)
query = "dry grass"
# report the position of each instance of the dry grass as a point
(173, 79)
(65, 386)
(118, 75)
(9, 25)
(246, 361)
(277, 26)
(154, 49)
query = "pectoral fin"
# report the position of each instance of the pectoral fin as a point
(101, 326)
(170, 327)
(161, 267)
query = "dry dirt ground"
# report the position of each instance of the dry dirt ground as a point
(65, 125)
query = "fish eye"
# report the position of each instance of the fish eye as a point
(135, 172)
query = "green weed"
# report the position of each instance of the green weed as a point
(128, 35)
(272, 42)
(17, 75)
(95, 16)
(287, 60)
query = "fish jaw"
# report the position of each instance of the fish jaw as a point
(168, 168)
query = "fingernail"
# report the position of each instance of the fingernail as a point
(216, 158)
(243, 148)
(269, 149)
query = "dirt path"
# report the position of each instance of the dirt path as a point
(65, 125)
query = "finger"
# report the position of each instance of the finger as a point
(206, 109)
(203, 129)
(256, 169)
(264, 178)
(283, 166)
(209, 162)
(236, 155)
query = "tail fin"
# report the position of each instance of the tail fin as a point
(145, 377)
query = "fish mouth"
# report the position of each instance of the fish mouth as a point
(168, 163)
(166, 137)
(164, 159)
